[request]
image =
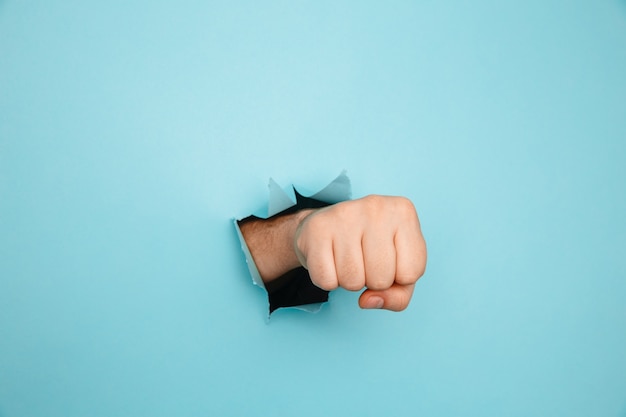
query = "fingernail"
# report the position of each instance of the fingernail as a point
(374, 302)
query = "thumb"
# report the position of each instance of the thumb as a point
(394, 298)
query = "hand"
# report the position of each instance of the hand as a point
(374, 242)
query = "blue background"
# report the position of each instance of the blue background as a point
(131, 132)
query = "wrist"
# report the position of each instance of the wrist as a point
(271, 243)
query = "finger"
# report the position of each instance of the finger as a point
(349, 263)
(379, 256)
(321, 265)
(410, 253)
(395, 298)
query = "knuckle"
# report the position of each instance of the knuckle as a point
(406, 279)
(421, 269)
(342, 209)
(326, 283)
(351, 280)
(373, 202)
(420, 261)
(321, 274)
(378, 284)
(413, 273)
(351, 285)
(405, 207)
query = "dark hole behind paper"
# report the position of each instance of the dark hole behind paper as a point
(295, 287)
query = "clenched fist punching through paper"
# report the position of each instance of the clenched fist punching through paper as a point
(373, 243)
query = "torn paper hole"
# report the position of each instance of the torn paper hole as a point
(294, 289)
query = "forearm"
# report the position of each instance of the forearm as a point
(271, 243)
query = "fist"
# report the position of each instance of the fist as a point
(374, 243)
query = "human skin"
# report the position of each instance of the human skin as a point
(373, 243)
